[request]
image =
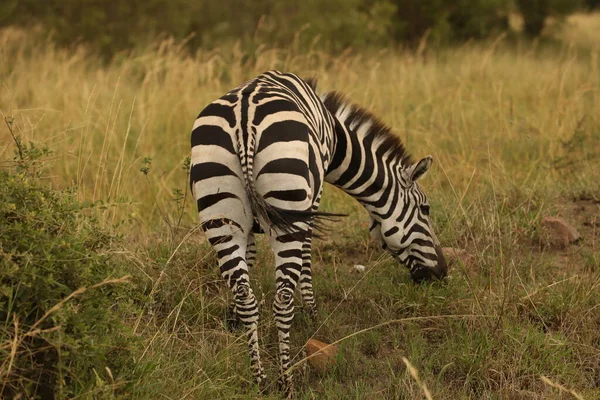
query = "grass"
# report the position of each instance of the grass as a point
(515, 133)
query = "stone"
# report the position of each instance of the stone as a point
(359, 268)
(321, 355)
(557, 233)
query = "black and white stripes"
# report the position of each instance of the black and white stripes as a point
(371, 164)
(260, 156)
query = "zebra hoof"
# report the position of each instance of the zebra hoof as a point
(286, 388)
(234, 324)
(311, 313)
(263, 385)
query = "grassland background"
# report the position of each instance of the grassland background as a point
(514, 128)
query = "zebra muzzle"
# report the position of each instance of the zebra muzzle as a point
(421, 273)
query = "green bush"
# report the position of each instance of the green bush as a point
(592, 4)
(477, 19)
(535, 12)
(61, 331)
(110, 26)
(448, 21)
(113, 25)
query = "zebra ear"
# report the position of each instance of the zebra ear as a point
(420, 168)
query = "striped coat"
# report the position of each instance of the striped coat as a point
(260, 157)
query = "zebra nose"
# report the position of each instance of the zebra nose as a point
(421, 273)
(426, 274)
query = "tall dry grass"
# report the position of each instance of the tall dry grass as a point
(512, 104)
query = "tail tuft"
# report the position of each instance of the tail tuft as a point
(286, 220)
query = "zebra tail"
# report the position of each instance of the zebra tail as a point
(275, 217)
(286, 220)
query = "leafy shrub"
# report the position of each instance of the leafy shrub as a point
(61, 332)
(535, 12)
(458, 20)
(112, 25)
(477, 19)
(108, 25)
(592, 4)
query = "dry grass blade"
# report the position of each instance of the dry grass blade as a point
(415, 374)
(560, 387)
(14, 345)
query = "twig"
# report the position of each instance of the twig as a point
(8, 122)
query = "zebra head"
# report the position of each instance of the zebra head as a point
(407, 234)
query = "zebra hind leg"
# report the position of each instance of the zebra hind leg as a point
(230, 244)
(233, 321)
(288, 260)
(251, 251)
(306, 286)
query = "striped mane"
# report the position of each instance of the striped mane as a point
(357, 116)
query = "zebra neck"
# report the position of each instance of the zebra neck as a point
(365, 168)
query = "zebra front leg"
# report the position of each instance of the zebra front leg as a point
(306, 286)
(233, 321)
(288, 260)
(230, 244)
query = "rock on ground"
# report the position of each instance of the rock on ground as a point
(454, 254)
(322, 355)
(557, 233)
(359, 268)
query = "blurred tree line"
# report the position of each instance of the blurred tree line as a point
(114, 25)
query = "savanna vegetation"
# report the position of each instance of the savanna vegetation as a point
(108, 289)
(113, 27)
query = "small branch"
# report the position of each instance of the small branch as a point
(8, 122)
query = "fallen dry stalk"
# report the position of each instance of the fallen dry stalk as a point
(415, 374)
(560, 387)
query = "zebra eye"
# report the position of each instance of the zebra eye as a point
(425, 209)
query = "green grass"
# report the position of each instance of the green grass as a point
(515, 133)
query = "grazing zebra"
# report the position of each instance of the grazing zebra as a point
(260, 155)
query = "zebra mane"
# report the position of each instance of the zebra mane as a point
(312, 82)
(377, 130)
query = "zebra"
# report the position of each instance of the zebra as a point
(260, 156)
